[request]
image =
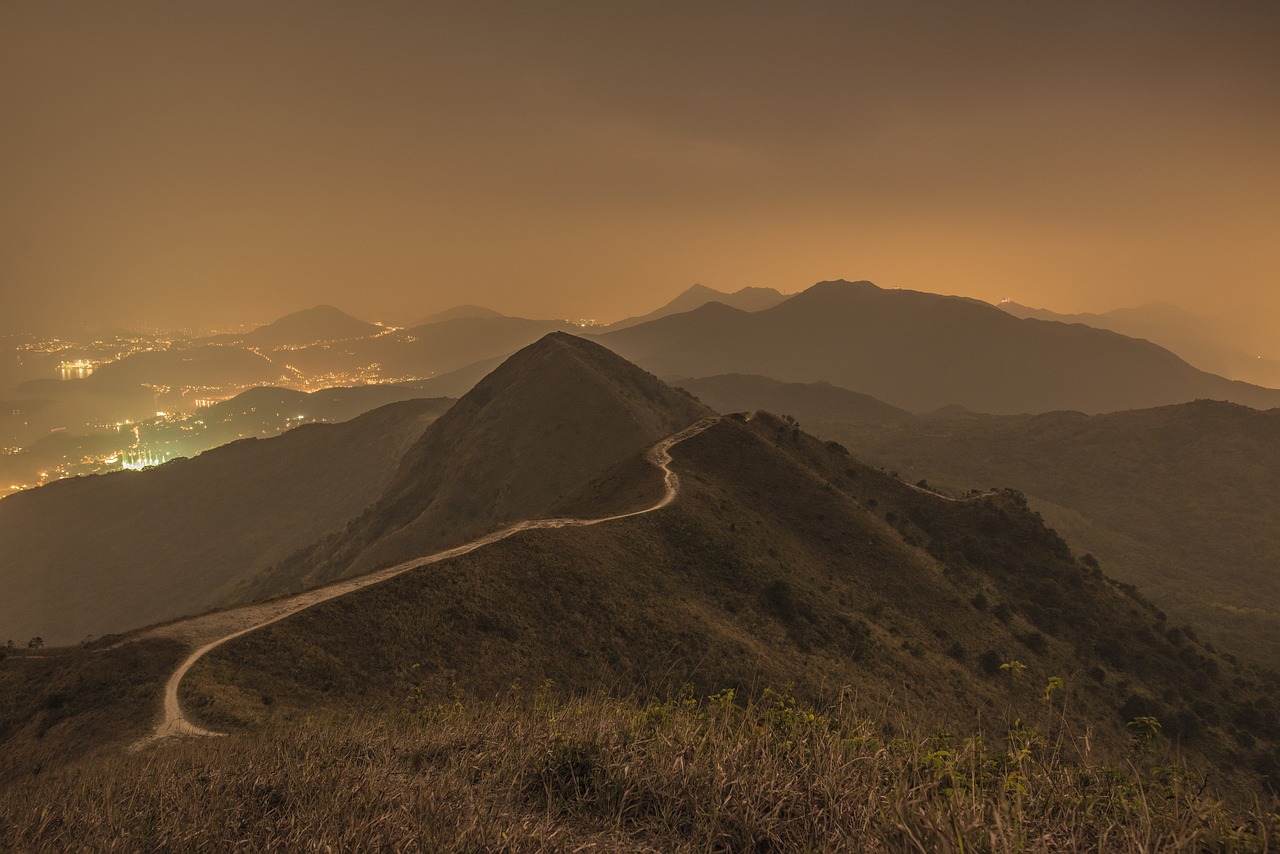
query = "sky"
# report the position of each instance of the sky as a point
(204, 163)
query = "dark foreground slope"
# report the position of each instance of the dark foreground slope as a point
(102, 554)
(923, 351)
(782, 563)
(785, 571)
(548, 420)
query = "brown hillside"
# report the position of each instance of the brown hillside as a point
(783, 563)
(545, 422)
(1183, 501)
(104, 554)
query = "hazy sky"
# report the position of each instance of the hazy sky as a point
(216, 161)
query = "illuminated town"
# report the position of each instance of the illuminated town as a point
(44, 441)
(139, 399)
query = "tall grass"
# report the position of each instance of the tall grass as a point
(534, 772)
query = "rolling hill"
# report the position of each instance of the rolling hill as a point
(549, 419)
(784, 562)
(321, 323)
(108, 553)
(922, 352)
(1182, 500)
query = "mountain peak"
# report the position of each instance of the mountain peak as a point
(318, 323)
(545, 422)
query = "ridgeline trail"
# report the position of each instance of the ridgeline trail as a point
(209, 631)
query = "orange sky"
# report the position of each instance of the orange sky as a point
(221, 161)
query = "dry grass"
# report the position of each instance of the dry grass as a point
(532, 772)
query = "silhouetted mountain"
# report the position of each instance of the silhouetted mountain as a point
(807, 402)
(1213, 343)
(113, 552)
(746, 299)
(782, 562)
(923, 351)
(459, 312)
(322, 323)
(549, 419)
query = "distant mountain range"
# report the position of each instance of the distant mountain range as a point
(922, 352)
(915, 351)
(1218, 343)
(745, 299)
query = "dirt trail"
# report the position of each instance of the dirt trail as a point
(210, 631)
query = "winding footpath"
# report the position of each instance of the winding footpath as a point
(209, 631)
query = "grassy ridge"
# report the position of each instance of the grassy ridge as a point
(59, 704)
(533, 772)
(1180, 500)
(783, 563)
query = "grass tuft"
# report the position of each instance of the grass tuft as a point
(530, 771)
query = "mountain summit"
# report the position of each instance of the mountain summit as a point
(922, 351)
(321, 323)
(549, 419)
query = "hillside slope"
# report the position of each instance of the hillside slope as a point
(101, 554)
(549, 419)
(922, 352)
(1182, 500)
(782, 563)
(1232, 345)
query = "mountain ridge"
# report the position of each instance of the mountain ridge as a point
(548, 419)
(744, 299)
(921, 352)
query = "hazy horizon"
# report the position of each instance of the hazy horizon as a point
(189, 165)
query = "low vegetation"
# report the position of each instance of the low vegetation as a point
(529, 771)
(1179, 500)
